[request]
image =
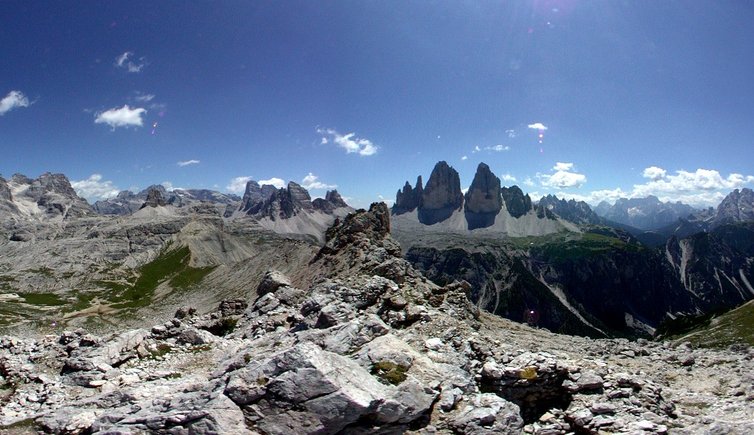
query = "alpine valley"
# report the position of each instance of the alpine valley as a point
(478, 311)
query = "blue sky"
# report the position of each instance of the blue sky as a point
(637, 98)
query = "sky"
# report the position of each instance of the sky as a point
(591, 100)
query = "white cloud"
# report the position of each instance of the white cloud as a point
(511, 133)
(537, 126)
(508, 177)
(465, 158)
(324, 141)
(238, 184)
(698, 181)
(311, 181)
(93, 188)
(654, 173)
(13, 100)
(701, 188)
(144, 98)
(274, 181)
(129, 62)
(121, 117)
(476, 149)
(498, 148)
(183, 163)
(349, 142)
(560, 166)
(529, 182)
(563, 177)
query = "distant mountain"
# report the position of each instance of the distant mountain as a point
(644, 213)
(47, 197)
(738, 206)
(574, 211)
(127, 202)
(487, 208)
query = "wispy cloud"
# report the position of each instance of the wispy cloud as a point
(498, 148)
(238, 184)
(121, 117)
(94, 188)
(537, 126)
(511, 133)
(144, 98)
(311, 181)
(349, 142)
(13, 100)
(183, 163)
(464, 157)
(508, 177)
(129, 62)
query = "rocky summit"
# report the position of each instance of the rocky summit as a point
(369, 346)
(486, 210)
(483, 202)
(441, 196)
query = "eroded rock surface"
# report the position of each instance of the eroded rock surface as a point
(370, 347)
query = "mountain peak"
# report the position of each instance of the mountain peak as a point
(483, 200)
(442, 195)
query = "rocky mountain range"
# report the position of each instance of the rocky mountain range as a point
(396, 306)
(49, 196)
(487, 208)
(571, 210)
(127, 202)
(368, 346)
(644, 213)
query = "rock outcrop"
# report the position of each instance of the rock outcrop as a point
(5, 190)
(255, 196)
(571, 210)
(441, 196)
(409, 199)
(50, 196)
(371, 347)
(155, 198)
(331, 201)
(737, 206)
(286, 203)
(483, 201)
(516, 202)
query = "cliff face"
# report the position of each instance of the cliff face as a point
(603, 283)
(409, 199)
(516, 202)
(442, 195)
(483, 201)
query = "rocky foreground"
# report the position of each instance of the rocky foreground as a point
(371, 347)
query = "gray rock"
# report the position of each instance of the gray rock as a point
(441, 196)
(483, 201)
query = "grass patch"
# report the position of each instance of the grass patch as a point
(587, 245)
(389, 372)
(170, 265)
(734, 327)
(50, 299)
